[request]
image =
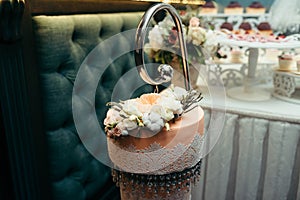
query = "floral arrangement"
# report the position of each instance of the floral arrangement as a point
(152, 111)
(163, 45)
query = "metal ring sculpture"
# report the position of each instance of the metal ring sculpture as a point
(140, 39)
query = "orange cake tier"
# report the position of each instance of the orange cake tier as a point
(165, 152)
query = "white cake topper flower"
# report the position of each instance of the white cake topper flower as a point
(151, 111)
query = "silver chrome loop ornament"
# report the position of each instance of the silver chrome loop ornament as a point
(140, 39)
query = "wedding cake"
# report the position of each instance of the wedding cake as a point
(155, 137)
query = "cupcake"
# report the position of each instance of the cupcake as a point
(236, 56)
(285, 62)
(246, 26)
(209, 8)
(226, 25)
(255, 8)
(233, 8)
(264, 28)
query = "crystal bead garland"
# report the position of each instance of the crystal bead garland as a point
(176, 185)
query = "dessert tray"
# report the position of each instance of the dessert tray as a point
(287, 86)
(287, 70)
(260, 41)
(296, 72)
(255, 42)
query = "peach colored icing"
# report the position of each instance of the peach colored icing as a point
(165, 152)
(182, 131)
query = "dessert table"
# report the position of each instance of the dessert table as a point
(257, 154)
(218, 19)
(249, 92)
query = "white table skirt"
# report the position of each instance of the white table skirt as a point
(257, 155)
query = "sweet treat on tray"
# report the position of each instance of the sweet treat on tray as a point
(285, 62)
(246, 26)
(209, 8)
(255, 8)
(264, 28)
(155, 137)
(236, 56)
(241, 36)
(257, 37)
(233, 8)
(226, 25)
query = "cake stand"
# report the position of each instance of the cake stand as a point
(171, 186)
(249, 91)
(287, 85)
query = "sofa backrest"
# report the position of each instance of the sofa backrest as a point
(62, 43)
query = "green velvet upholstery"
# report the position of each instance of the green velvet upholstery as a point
(62, 43)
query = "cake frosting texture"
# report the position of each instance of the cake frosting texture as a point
(165, 152)
(156, 133)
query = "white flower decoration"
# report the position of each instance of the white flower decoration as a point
(196, 35)
(130, 108)
(153, 121)
(156, 40)
(152, 111)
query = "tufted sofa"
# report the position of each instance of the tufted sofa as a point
(62, 43)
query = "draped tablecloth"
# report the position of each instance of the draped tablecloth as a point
(257, 155)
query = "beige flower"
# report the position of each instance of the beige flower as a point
(112, 116)
(196, 35)
(146, 101)
(194, 22)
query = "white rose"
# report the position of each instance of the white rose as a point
(120, 127)
(168, 93)
(155, 38)
(129, 124)
(163, 112)
(171, 104)
(180, 93)
(211, 41)
(112, 116)
(153, 121)
(196, 35)
(130, 108)
(174, 92)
